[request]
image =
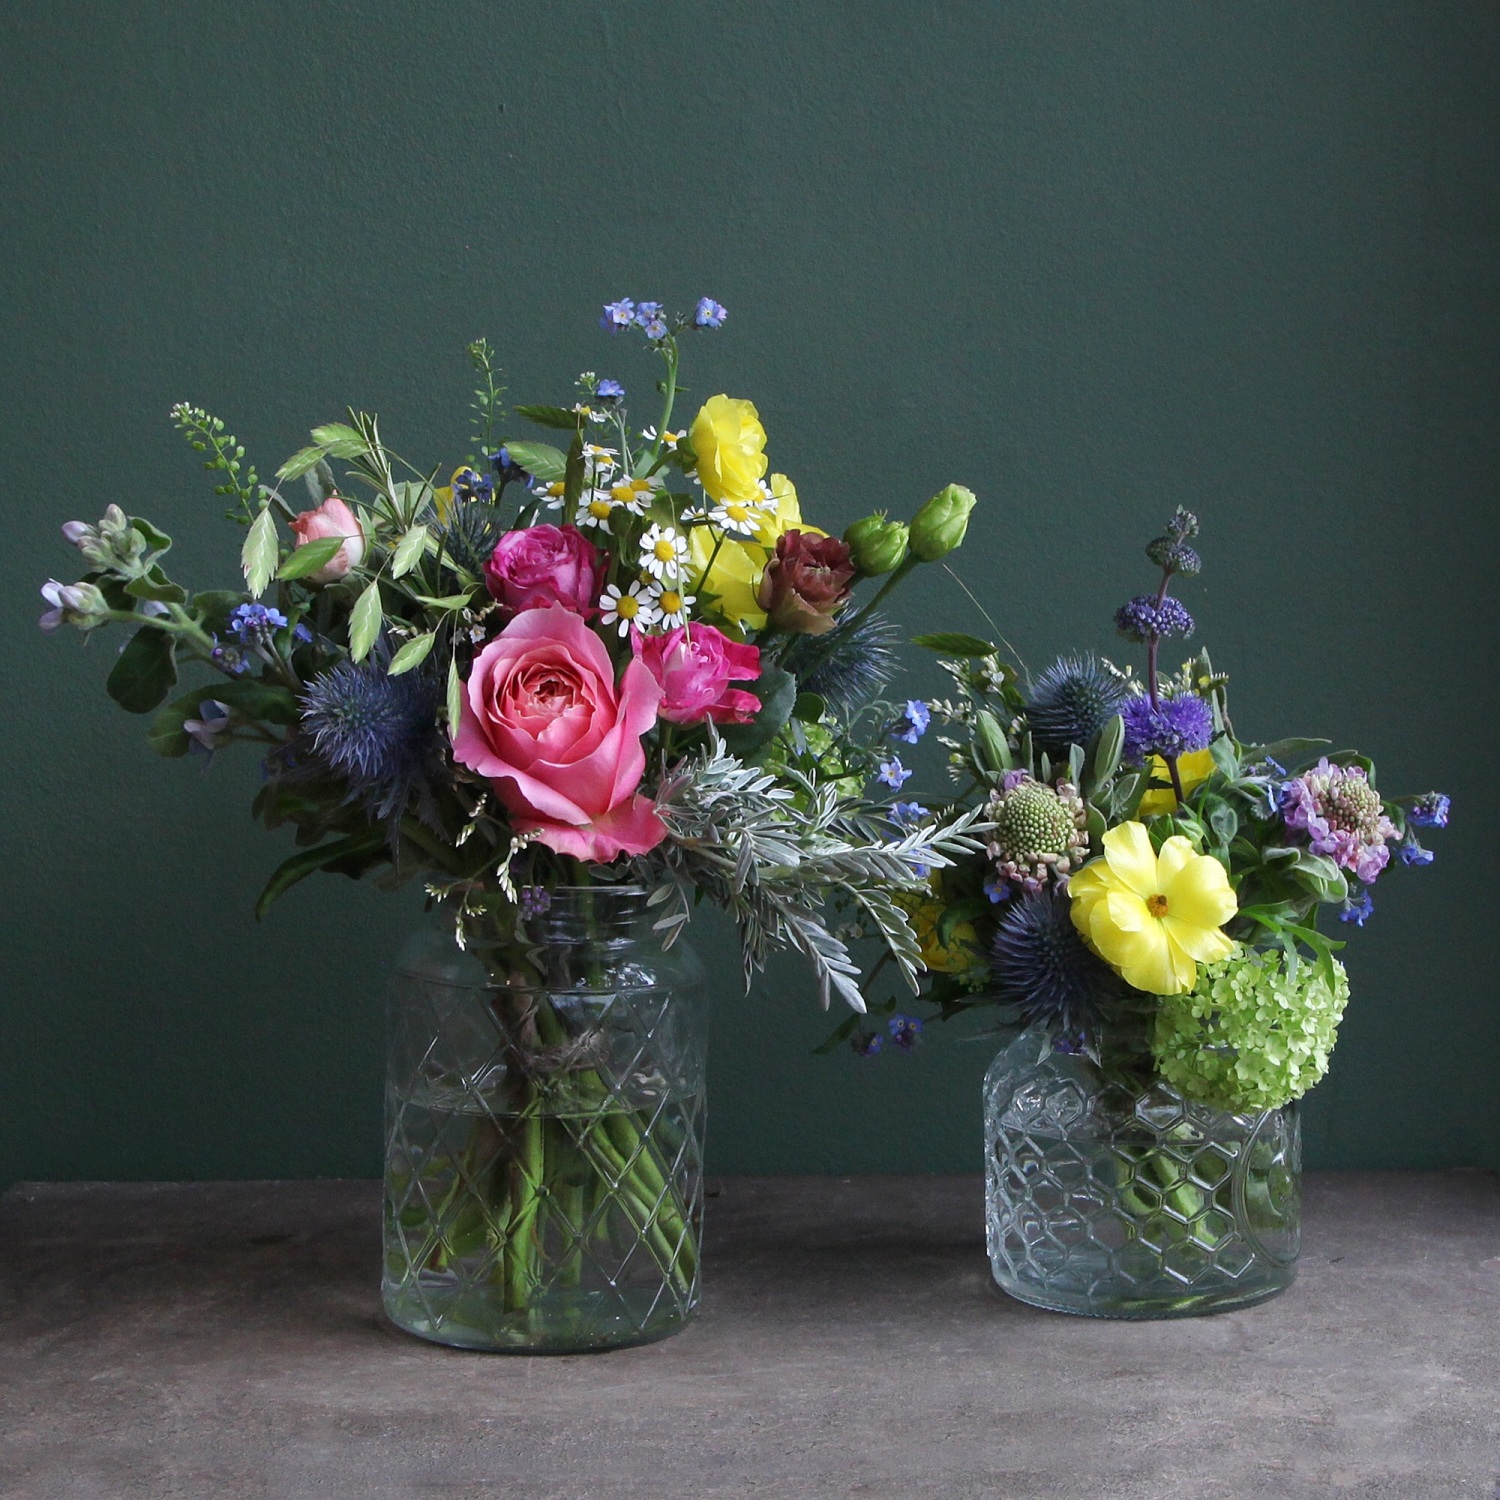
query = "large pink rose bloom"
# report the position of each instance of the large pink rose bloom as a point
(545, 565)
(332, 518)
(544, 720)
(695, 668)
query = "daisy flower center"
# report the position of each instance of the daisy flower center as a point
(599, 509)
(627, 607)
(671, 601)
(664, 550)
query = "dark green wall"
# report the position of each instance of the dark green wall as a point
(1092, 259)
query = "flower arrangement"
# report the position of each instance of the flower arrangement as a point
(1147, 873)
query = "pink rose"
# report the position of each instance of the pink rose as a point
(695, 668)
(332, 518)
(545, 565)
(543, 719)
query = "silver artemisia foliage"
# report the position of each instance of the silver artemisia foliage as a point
(735, 836)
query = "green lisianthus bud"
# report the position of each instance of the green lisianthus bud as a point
(877, 545)
(940, 525)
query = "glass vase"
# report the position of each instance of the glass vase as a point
(1109, 1194)
(544, 1130)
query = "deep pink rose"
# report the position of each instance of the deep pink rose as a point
(695, 667)
(545, 565)
(544, 720)
(332, 518)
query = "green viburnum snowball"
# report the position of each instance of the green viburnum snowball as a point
(1250, 1035)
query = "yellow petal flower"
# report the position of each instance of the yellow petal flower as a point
(1194, 769)
(734, 577)
(1153, 917)
(730, 444)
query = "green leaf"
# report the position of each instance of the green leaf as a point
(409, 551)
(350, 856)
(309, 557)
(156, 541)
(808, 708)
(412, 654)
(838, 1036)
(251, 698)
(166, 735)
(1320, 875)
(777, 691)
(448, 601)
(455, 693)
(956, 915)
(573, 479)
(1224, 756)
(1222, 818)
(954, 643)
(156, 585)
(1104, 756)
(332, 434)
(549, 416)
(259, 555)
(216, 605)
(364, 621)
(303, 461)
(145, 671)
(540, 460)
(1291, 753)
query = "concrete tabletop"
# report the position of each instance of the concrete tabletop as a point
(226, 1340)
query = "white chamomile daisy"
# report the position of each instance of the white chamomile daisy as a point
(663, 550)
(634, 493)
(629, 608)
(596, 510)
(600, 460)
(741, 516)
(551, 494)
(669, 439)
(672, 604)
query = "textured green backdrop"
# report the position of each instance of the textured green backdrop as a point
(1092, 259)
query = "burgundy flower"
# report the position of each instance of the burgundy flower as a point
(807, 582)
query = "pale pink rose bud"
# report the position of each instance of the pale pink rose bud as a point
(332, 518)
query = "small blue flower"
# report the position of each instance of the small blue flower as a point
(253, 623)
(471, 487)
(912, 725)
(996, 889)
(228, 658)
(1430, 811)
(212, 721)
(894, 774)
(618, 315)
(507, 470)
(648, 318)
(300, 632)
(866, 1044)
(905, 1031)
(920, 869)
(610, 390)
(907, 813)
(709, 314)
(1412, 853)
(1357, 909)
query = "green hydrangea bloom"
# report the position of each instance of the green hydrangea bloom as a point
(1250, 1035)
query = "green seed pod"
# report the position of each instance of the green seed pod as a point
(877, 545)
(940, 525)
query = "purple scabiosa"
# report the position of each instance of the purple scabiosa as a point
(618, 316)
(1357, 909)
(893, 774)
(1071, 701)
(912, 725)
(1174, 726)
(1040, 964)
(709, 314)
(906, 1032)
(650, 320)
(1430, 810)
(610, 391)
(255, 623)
(1341, 814)
(377, 733)
(1040, 833)
(1144, 619)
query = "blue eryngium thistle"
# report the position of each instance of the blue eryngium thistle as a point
(1071, 701)
(470, 534)
(849, 666)
(377, 733)
(1040, 965)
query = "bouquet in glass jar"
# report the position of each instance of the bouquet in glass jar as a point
(573, 688)
(1147, 908)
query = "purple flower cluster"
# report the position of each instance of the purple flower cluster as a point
(1342, 816)
(1143, 619)
(1430, 810)
(1175, 727)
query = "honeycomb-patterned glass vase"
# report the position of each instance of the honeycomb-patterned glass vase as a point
(1109, 1194)
(544, 1130)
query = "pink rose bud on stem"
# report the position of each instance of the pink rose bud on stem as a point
(332, 518)
(545, 565)
(695, 668)
(807, 582)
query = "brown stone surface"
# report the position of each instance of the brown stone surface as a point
(226, 1340)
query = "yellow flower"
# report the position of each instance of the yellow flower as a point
(958, 955)
(734, 577)
(1194, 768)
(786, 517)
(1153, 917)
(730, 444)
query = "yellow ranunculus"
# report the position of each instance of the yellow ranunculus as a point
(959, 955)
(1194, 768)
(787, 515)
(1151, 917)
(734, 577)
(730, 444)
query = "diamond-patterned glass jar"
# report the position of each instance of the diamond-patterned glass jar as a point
(544, 1131)
(1107, 1193)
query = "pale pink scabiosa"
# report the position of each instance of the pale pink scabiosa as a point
(1041, 832)
(1341, 814)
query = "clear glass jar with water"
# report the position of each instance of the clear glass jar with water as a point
(544, 1130)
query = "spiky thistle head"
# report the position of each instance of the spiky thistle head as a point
(470, 532)
(1039, 963)
(375, 732)
(847, 667)
(1072, 700)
